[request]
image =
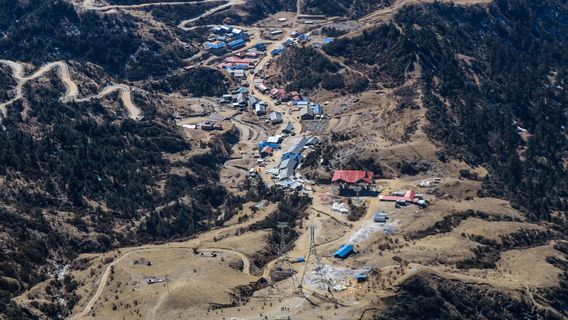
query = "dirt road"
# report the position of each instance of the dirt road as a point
(189, 245)
(106, 274)
(21, 79)
(71, 89)
(125, 95)
(388, 12)
(211, 11)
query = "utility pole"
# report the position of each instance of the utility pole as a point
(314, 259)
(283, 265)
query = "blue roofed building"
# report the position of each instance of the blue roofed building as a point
(295, 156)
(277, 51)
(216, 47)
(295, 152)
(344, 251)
(236, 44)
(239, 34)
(268, 144)
(289, 42)
(317, 109)
(261, 46)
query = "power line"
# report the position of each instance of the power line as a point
(283, 267)
(313, 263)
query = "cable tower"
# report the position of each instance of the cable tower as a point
(283, 268)
(313, 263)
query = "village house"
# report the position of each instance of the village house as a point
(275, 117)
(252, 100)
(280, 94)
(353, 182)
(266, 151)
(216, 48)
(260, 108)
(286, 168)
(312, 141)
(274, 139)
(306, 113)
(262, 88)
(236, 44)
(405, 198)
(288, 128)
(295, 151)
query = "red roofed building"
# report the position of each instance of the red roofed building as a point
(280, 94)
(409, 196)
(352, 176)
(266, 151)
(295, 95)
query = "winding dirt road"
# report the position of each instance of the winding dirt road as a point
(125, 95)
(71, 89)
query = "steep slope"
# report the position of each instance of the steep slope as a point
(427, 296)
(77, 177)
(43, 31)
(76, 174)
(348, 8)
(305, 68)
(249, 12)
(494, 86)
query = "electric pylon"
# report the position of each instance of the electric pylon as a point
(312, 260)
(283, 267)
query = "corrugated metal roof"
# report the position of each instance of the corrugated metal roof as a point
(298, 147)
(352, 176)
(237, 42)
(344, 251)
(286, 173)
(288, 163)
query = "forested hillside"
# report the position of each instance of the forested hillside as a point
(489, 74)
(348, 8)
(44, 31)
(305, 68)
(427, 296)
(250, 12)
(73, 174)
